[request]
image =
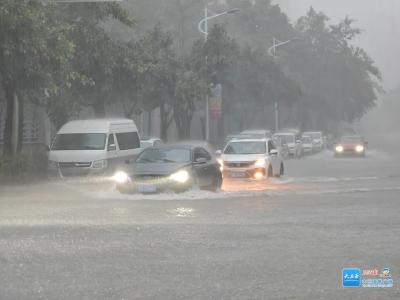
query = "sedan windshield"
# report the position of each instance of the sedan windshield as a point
(245, 148)
(80, 141)
(164, 155)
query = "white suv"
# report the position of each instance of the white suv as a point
(251, 158)
(293, 141)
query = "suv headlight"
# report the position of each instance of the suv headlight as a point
(260, 162)
(181, 176)
(99, 164)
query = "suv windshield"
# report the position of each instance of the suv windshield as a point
(245, 148)
(351, 139)
(164, 155)
(79, 141)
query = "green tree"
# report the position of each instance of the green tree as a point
(97, 54)
(34, 54)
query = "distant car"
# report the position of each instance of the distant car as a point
(237, 136)
(293, 141)
(147, 142)
(176, 168)
(317, 139)
(351, 145)
(251, 158)
(257, 133)
(282, 146)
(307, 144)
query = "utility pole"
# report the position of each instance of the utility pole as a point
(204, 30)
(272, 51)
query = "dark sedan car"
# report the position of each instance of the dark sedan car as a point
(177, 168)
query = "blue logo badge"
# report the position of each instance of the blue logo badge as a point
(351, 277)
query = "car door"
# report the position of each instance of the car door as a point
(112, 152)
(203, 169)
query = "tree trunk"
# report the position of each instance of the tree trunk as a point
(164, 122)
(11, 124)
(183, 125)
(20, 125)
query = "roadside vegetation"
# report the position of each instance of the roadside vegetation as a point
(148, 54)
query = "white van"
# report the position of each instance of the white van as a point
(93, 146)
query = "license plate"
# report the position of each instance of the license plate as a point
(238, 174)
(147, 188)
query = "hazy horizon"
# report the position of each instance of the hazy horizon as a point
(377, 35)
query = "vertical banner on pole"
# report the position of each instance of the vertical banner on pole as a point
(216, 101)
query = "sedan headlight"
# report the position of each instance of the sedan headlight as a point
(260, 162)
(121, 177)
(360, 148)
(181, 176)
(99, 164)
(339, 148)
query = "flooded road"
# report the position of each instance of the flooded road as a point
(287, 238)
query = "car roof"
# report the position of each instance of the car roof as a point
(94, 125)
(352, 136)
(249, 140)
(147, 139)
(256, 131)
(284, 133)
(172, 146)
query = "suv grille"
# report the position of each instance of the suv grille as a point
(239, 164)
(74, 164)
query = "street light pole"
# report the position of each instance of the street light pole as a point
(205, 32)
(272, 51)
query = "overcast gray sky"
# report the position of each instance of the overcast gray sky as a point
(380, 20)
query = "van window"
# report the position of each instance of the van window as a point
(128, 140)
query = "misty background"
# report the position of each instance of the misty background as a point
(380, 22)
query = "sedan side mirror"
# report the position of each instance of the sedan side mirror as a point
(218, 152)
(273, 152)
(200, 160)
(112, 147)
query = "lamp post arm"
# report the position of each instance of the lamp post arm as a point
(200, 25)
